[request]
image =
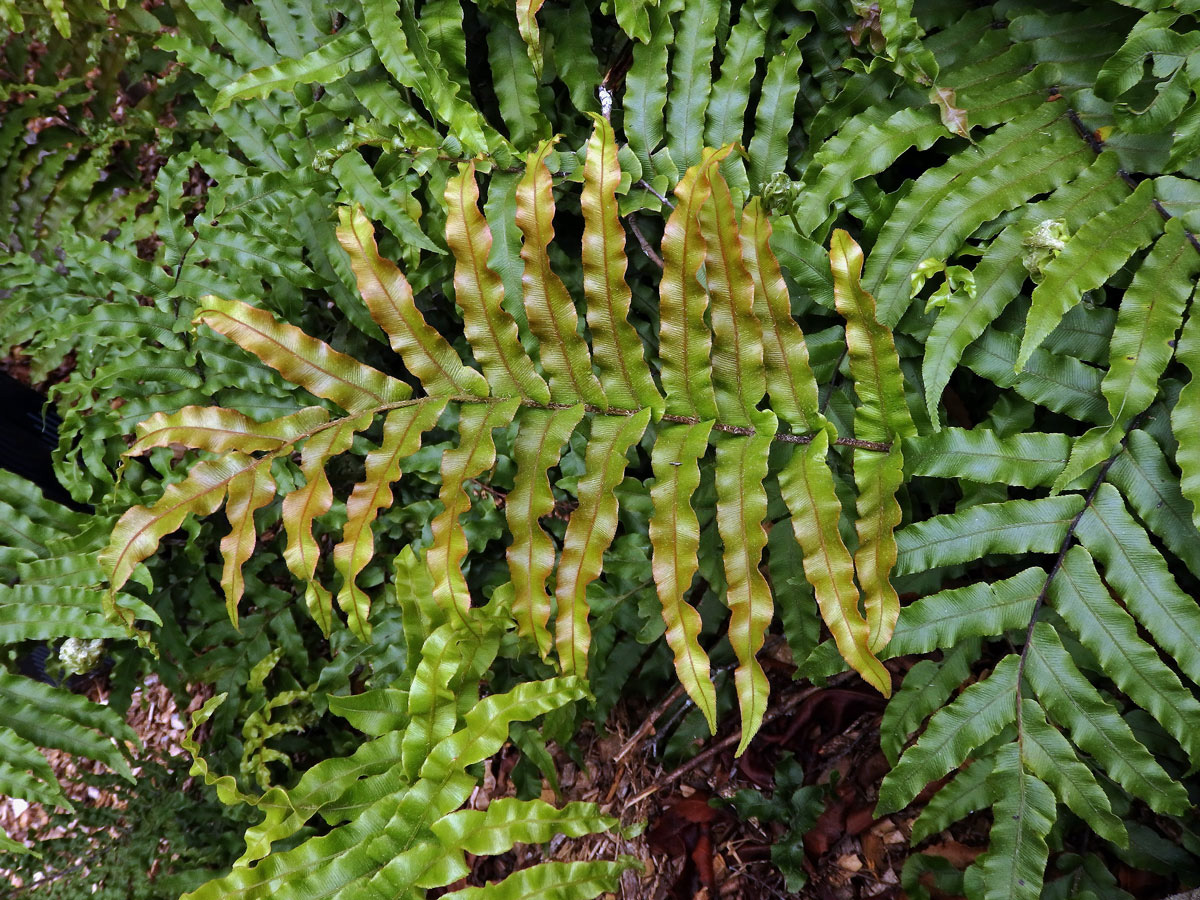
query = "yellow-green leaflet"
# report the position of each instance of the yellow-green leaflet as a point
(550, 310)
(882, 415)
(531, 555)
(878, 476)
(301, 359)
(139, 530)
(474, 455)
(219, 430)
(250, 491)
(741, 509)
(528, 26)
(619, 355)
(389, 299)
(309, 502)
(402, 430)
(789, 377)
(675, 538)
(807, 487)
(590, 531)
(684, 340)
(737, 353)
(480, 293)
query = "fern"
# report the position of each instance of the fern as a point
(998, 440)
(704, 229)
(50, 592)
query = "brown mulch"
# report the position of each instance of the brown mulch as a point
(155, 718)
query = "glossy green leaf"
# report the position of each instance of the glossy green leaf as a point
(1090, 257)
(976, 715)
(1095, 727)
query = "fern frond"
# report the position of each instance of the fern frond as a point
(934, 219)
(1095, 726)
(1001, 272)
(976, 715)
(1139, 574)
(1014, 865)
(1111, 633)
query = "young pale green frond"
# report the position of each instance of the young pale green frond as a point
(309, 502)
(788, 372)
(737, 350)
(222, 430)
